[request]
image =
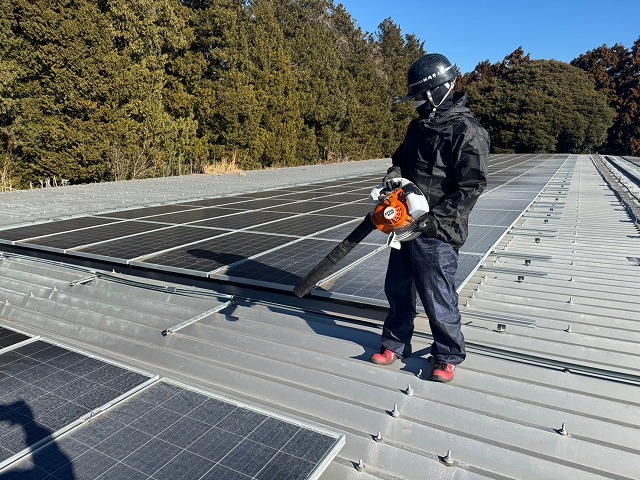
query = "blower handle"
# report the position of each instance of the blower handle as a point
(340, 251)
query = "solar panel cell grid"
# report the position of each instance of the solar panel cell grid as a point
(95, 234)
(171, 432)
(44, 387)
(48, 228)
(148, 243)
(147, 211)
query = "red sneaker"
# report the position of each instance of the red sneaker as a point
(384, 357)
(443, 372)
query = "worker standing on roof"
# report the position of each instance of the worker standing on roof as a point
(444, 153)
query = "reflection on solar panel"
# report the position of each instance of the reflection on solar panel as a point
(46, 388)
(168, 431)
(256, 223)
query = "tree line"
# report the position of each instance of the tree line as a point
(95, 90)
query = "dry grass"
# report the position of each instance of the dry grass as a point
(223, 167)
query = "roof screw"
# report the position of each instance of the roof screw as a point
(570, 300)
(501, 328)
(447, 459)
(546, 220)
(562, 431)
(571, 279)
(360, 466)
(537, 240)
(466, 304)
(409, 390)
(395, 412)
(377, 438)
(419, 374)
(520, 278)
(527, 262)
(568, 329)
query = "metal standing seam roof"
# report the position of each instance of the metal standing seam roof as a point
(556, 401)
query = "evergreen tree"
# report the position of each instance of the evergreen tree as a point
(60, 60)
(396, 56)
(541, 106)
(145, 138)
(615, 72)
(279, 124)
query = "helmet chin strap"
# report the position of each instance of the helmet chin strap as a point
(433, 104)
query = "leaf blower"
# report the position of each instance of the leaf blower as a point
(397, 213)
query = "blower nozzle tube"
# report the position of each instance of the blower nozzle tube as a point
(338, 253)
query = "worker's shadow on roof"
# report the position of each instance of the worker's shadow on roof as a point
(21, 430)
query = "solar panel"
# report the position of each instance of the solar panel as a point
(310, 195)
(485, 216)
(286, 266)
(146, 211)
(194, 215)
(242, 219)
(46, 388)
(302, 207)
(357, 210)
(169, 431)
(213, 254)
(96, 234)
(9, 338)
(304, 225)
(150, 242)
(482, 238)
(48, 228)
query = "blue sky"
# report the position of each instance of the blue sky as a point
(468, 32)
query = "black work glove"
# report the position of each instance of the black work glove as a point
(392, 179)
(427, 225)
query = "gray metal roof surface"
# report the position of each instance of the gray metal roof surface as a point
(500, 416)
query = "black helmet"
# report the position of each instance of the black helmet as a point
(428, 72)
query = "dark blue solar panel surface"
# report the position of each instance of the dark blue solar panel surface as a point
(48, 228)
(9, 338)
(45, 387)
(170, 432)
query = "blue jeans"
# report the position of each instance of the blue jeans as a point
(427, 267)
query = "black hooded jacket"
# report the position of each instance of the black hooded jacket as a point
(446, 157)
